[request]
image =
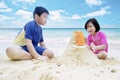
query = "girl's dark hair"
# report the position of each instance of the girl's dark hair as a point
(39, 10)
(94, 22)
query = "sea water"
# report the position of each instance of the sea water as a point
(112, 34)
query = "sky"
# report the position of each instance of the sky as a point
(63, 13)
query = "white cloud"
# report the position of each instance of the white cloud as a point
(25, 3)
(93, 2)
(15, 2)
(3, 18)
(24, 14)
(6, 10)
(101, 12)
(4, 7)
(29, 1)
(76, 16)
(56, 15)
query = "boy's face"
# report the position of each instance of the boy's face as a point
(42, 19)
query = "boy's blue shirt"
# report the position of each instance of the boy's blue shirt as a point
(33, 32)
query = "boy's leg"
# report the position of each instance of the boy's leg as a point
(44, 52)
(48, 53)
(102, 55)
(17, 53)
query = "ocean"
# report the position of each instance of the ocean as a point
(112, 34)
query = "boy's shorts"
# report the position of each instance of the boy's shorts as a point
(38, 49)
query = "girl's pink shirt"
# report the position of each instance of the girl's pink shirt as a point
(98, 39)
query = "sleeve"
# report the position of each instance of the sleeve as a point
(28, 31)
(88, 40)
(103, 38)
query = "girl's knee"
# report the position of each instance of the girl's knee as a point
(102, 56)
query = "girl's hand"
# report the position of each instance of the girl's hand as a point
(93, 47)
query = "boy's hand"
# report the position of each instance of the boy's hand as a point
(43, 58)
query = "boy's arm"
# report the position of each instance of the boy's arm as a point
(42, 44)
(32, 49)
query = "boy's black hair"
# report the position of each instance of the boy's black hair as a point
(39, 10)
(94, 22)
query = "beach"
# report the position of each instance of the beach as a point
(56, 69)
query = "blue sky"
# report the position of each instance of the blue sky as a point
(63, 13)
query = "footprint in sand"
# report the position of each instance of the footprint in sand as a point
(47, 76)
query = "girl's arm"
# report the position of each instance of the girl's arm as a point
(99, 47)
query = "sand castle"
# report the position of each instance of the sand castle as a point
(77, 52)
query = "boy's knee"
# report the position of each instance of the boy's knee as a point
(48, 53)
(51, 54)
(10, 53)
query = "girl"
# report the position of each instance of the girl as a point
(96, 40)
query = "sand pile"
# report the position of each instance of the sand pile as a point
(78, 54)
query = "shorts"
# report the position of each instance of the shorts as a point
(38, 49)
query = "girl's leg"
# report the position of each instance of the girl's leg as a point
(102, 55)
(17, 53)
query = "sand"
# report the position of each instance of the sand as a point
(74, 63)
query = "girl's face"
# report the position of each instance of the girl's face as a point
(91, 28)
(42, 19)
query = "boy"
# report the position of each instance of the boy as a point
(26, 43)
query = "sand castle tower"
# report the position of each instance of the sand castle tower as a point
(77, 52)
